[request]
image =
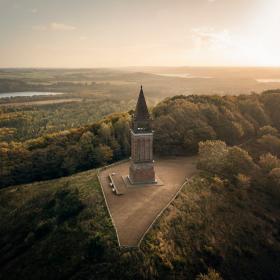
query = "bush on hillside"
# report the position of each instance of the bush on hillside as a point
(230, 162)
(212, 274)
(268, 129)
(270, 144)
(212, 156)
(67, 204)
(268, 162)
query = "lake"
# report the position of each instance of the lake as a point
(183, 75)
(268, 80)
(27, 93)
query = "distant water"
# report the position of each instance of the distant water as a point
(268, 80)
(27, 93)
(183, 75)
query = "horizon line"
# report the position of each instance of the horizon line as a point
(133, 66)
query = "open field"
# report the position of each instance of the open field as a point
(135, 210)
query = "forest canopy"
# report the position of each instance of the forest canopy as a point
(180, 123)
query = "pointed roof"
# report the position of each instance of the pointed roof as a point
(141, 111)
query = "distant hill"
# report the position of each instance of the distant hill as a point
(160, 82)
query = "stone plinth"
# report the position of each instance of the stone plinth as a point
(157, 183)
(142, 173)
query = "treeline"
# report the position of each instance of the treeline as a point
(180, 123)
(20, 123)
(66, 152)
(18, 85)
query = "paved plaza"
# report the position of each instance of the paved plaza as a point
(136, 208)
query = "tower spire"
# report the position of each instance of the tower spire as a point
(141, 120)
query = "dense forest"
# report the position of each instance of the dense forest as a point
(180, 123)
(31, 120)
(66, 152)
(224, 223)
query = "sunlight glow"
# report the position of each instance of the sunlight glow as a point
(194, 33)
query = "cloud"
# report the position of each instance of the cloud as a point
(232, 48)
(34, 11)
(211, 38)
(54, 26)
(82, 38)
(61, 26)
(39, 27)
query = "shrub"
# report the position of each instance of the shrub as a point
(43, 228)
(267, 129)
(217, 183)
(243, 181)
(238, 161)
(268, 162)
(95, 247)
(275, 176)
(67, 204)
(212, 274)
(270, 143)
(274, 182)
(212, 156)
(215, 157)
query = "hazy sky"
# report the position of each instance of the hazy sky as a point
(104, 33)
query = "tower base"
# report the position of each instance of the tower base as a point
(142, 173)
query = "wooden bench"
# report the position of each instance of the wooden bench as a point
(114, 187)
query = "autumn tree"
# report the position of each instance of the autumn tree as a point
(212, 156)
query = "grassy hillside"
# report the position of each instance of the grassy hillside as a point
(215, 224)
(60, 229)
(54, 229)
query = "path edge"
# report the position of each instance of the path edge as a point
(161, 212)
(108, 209)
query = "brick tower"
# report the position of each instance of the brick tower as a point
(141, 169)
